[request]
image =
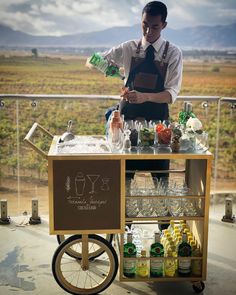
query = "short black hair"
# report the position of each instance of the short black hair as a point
(156, 8)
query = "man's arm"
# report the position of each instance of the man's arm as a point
(140, 97)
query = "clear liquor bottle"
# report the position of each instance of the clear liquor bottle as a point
(184, 250)
(156, 250)
(130, 251)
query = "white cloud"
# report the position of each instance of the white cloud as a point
(56, 17)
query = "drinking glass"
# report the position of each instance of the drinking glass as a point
(189, 207)
(146, 209)
(175, 206)
(202, 143)
(132, 208)
(159, 207)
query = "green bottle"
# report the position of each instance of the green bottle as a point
(156, 250)
(184, 250)
(186, 113)
(103, 65)
(130, 251)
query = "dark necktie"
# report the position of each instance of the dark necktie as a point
(150, 53)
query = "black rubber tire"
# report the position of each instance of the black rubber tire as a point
(91, 238)
(198, 289)
(61, 239)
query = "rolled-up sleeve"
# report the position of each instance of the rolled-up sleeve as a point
(174, 74)
(115, 54)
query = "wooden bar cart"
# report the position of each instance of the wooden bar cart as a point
(87, 201)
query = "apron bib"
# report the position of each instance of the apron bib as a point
(146, 76)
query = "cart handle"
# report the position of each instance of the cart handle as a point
(27, 138)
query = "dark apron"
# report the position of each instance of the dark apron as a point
(146, 76)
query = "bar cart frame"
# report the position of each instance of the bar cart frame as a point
(198, 175)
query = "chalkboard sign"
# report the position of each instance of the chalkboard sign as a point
(86, 194)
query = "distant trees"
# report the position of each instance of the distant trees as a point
(34, 52)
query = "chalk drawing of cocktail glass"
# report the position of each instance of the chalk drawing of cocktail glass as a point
(79, 184)
(105, 185)
(93, 178)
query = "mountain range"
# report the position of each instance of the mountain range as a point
(200, 37)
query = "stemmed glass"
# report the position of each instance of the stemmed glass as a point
(93, 178)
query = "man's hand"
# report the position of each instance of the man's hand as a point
(132, 96)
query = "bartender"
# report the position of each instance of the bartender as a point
(153, 75)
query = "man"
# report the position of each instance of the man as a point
(153, 75)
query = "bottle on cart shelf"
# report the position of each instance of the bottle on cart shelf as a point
(196, 264)
(156, 250)
(142, 266)
(170, 263)
(186, 113)
(184, 250)
(130, 251)
(171, 227)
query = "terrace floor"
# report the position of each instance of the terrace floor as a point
(27, 250)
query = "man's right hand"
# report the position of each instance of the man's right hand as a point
(124, 93)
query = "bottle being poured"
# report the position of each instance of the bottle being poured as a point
(103, 65)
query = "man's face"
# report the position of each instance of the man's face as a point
(152, 27)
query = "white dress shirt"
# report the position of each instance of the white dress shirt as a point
(123, 53)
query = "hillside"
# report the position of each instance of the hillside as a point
(208, 37)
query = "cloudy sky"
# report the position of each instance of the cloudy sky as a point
(60, 17)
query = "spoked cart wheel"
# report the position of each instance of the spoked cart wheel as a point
(198, 287)
(93, 254)
(84, 276)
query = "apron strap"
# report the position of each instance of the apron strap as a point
(139, 46)
(165, 52)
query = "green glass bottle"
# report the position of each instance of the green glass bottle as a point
(103, 65)
(184, 250)
(156, 250)
(130, 251)
(186, 113)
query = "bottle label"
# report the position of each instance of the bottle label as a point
(196, 267)
(184, 266)
(129, 266)
(156, 265)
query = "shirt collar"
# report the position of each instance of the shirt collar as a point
(157, 44)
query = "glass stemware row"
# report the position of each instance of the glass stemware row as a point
(158, 207)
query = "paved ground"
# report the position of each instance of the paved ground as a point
(26, 252)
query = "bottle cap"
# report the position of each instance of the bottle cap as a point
(129, 237)
(143, 253)
(189, 107)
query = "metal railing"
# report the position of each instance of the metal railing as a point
(204, 99)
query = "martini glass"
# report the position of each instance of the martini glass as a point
(93, 178)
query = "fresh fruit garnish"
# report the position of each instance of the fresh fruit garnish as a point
(159, 127)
